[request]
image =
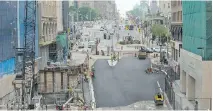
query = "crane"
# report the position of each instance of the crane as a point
(25, 57)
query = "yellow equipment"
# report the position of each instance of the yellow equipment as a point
(142, 54)
(159, 99)
(127, 27)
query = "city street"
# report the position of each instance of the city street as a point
(124, 84)
(105, 55)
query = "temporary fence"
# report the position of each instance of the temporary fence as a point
(7, 98)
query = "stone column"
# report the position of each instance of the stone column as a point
(190, 87)
(183, 80)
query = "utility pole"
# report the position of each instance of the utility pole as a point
(90, 16)
(77, 15)
(160, 50)
(73, 25)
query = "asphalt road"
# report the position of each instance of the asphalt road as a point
(124, 84)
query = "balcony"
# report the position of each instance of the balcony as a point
(46, 40)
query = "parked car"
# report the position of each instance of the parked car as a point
(81, 45)
(149, 50)
(156, 49)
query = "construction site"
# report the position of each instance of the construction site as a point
(59, 82)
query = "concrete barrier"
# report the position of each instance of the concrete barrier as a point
(93, 102)
(112, 63)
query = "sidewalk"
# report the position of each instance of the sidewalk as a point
(180, 101)
(87, 95)
(156, 61)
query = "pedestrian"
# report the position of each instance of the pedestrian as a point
(196, 105)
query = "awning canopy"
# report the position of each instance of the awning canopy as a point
(176, 29)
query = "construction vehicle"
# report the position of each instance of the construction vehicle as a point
(93, 71)
(142, 54)
(158, 99)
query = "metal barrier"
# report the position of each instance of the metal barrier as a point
(7, 98)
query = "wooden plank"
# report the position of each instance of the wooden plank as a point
(58, 81)
(49, 81)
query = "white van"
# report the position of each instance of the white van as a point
(91, 43)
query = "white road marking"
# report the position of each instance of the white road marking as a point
(159, 86)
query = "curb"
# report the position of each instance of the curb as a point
(93, 103)
(167, 102)
(165, 95)
(91, 88)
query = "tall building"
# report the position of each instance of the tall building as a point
(165, 8)
(59, 16)
(89, 3)
(144, 6)
(196, 54)
(105, 8)
(47, 31)
(65, 14)
(8, 35)
(154, 9)
(101, 6)
(176, 30)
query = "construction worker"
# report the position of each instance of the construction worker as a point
(85, 77)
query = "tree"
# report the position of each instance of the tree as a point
(83, 13)
(161, 32)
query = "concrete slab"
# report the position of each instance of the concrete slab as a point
(112, 63)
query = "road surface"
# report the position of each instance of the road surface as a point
(124, 84)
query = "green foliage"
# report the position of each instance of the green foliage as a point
(84, 13)
(72, 9)
(161, 32)
(122, 42)
(136, 11)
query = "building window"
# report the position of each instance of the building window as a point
(164, 5)
(62, 80)
(178, 3)
(174, 3)
(168, 5)
(180, 46)
(173, 16)
(178, 15)
(176, 55)
(181, 16)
